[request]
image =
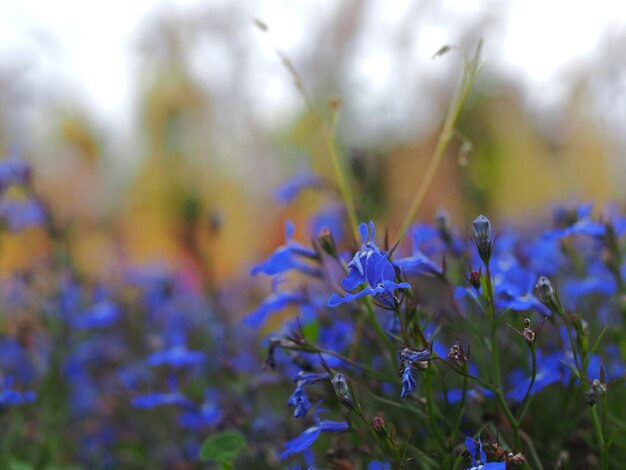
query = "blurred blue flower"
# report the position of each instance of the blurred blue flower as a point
(20, 215)
(100, 315)
(287, 257)
(10, 397)
(310, 435)
(289, 190)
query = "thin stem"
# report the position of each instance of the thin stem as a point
(459, 413)
(533, 375)
(379, 329)
(495, 360)
(597, 429)
(329, 141)
(447, 134)
(510, 418)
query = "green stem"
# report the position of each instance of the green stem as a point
(447, 134)
(495, 359)
(382, 334)
(597, 429)
(533, 374)
(459, 413)
(517, 442)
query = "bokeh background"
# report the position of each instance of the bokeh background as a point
(159, 131)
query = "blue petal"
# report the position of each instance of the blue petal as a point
(302, 442)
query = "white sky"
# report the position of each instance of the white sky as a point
(86, 50)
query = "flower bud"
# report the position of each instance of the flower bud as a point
(343, 391)
(442, 221)
(482, 238)
(474, 278)
(380, 426)
(547, 295)
(327, 242)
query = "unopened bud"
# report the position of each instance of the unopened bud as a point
(442, 221)
(482, 237)
(547, 295)
(379, 425)
(474, 278)
(327, 242)
(342, 390)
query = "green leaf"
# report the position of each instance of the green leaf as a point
(311, 331)
(222, 447)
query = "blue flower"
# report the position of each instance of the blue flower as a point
(290, 189)
(207, 415)
(371, 267)
(408, 382)
(286, 258)
(176, 356)
(276, 301)
(20, 215)
(11, 397)
(480, 463)
(299, 399)
(101, 315)
(153, 400)
(578, 222)
(409, 358)
(14, 171)
(310, 435)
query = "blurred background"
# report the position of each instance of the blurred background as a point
(159, 131)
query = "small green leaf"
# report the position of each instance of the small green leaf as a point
(311, 331)
(222, 447)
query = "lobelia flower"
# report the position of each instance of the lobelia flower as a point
(419, 263)
(286, 257)
(412, 358)
(176, 356)
(103, 314)
(299, 399)
(290, 189)
(207, 415)
(371, 267)
(20, 215)
(276, 301)
(11, 397)
(480, 463)
(310, 435)
(14, 171)
(576, 222)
